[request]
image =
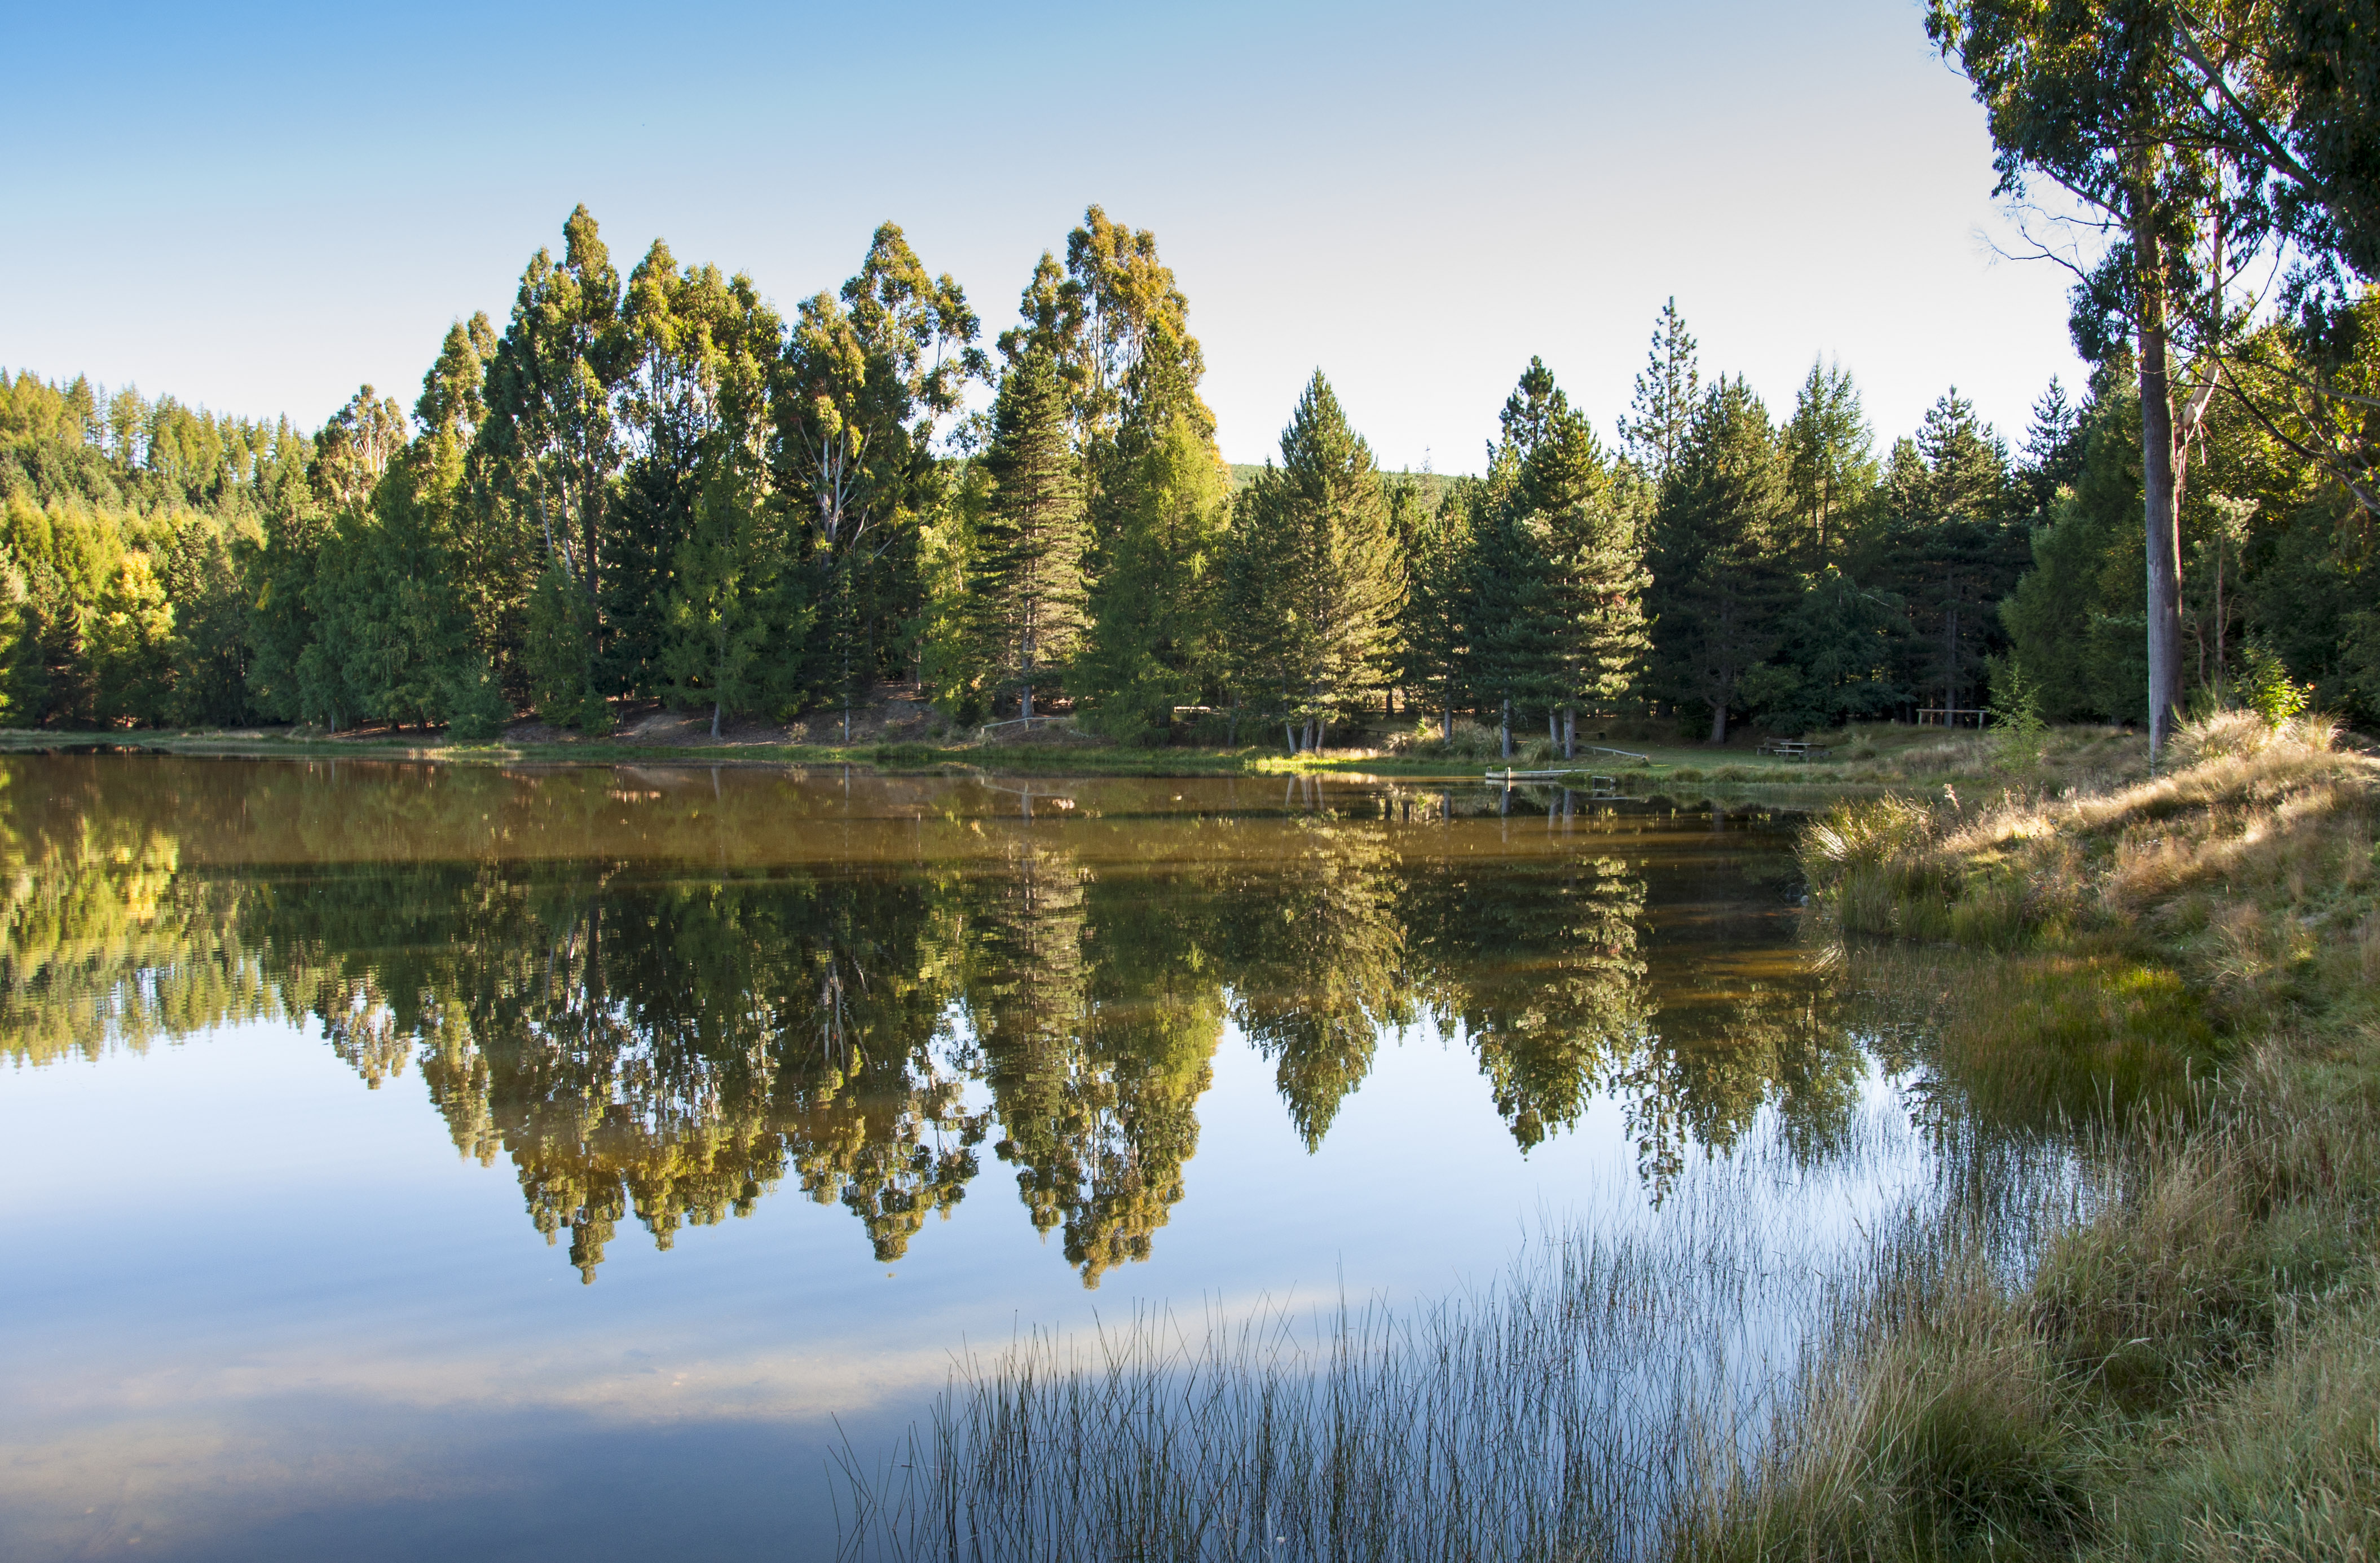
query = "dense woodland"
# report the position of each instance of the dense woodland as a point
(655, 487)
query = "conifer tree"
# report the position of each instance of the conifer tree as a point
(1029, 572)
(1313, 584)
(1829, 466)
(1949, 544)
(1668, 389)
(1720, 586)
(1435, 626)
(1556, 601)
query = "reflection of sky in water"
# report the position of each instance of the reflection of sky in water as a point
(253, 1309)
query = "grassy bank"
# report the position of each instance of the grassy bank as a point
(2190, 1368)
(1866, 760)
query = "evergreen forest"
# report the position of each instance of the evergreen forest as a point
(654, 485)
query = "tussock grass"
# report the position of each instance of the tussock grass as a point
(2184, 1369)
(2190, 1366)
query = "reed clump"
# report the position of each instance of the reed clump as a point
(2190, 1366)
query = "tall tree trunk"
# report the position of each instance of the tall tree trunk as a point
(1570, 732)
(1718, 721)
(1505, 731)
(715, 708)
(2161, 495)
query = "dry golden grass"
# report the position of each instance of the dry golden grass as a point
(2248, 865)
(2190, 1368)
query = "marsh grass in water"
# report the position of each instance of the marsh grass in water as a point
(2186, 1369)
(1583, 1406)
(2136, 1314)
(2190, 1368)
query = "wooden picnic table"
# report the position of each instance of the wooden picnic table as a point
(1791, 748)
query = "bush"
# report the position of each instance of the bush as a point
(476, 709)
(2265, 685)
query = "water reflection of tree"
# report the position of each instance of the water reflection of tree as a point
(670, 1045)
(1094, 1023)
(1721, 1054)
(104, 941)
(1317, 962)
(1537, 962)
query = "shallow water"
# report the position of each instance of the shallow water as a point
(567, 1161)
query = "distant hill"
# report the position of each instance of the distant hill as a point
(1433, 485)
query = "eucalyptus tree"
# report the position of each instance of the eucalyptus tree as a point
(551, 447)
(1114, 325)
(729, 620)
(867, 379)
(2106, 100)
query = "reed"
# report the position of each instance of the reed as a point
(2134, 1311)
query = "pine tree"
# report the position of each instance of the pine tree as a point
(1165, 498)
(1559, 578)
(1028, 577)
(1434, 627)
(1668, 391)
(1719, 583)
(1313, 586)
(1829, 466)
(1949, 546)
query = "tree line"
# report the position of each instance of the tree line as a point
(653, 487)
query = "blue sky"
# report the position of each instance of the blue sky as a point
(260, 207)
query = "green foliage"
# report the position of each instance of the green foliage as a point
(2265, 685)
(476, 709)
(559, 654)
(1721, 586)
(1312, 584)
(1028, 574)
(2018, 728)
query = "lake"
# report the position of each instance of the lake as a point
(568, 1161)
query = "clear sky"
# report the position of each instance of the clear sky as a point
(257, 208)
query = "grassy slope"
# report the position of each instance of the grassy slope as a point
(2189, 963)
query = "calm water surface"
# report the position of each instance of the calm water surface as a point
(561, 1162)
